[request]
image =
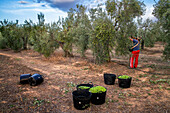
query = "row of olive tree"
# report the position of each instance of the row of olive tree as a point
(11, 35)
(101, 31)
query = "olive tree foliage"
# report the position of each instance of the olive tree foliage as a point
(15, 36)
(149, 31)
(41, 38)
(102, 36)
(82, 28)
(11, 35)
(27, 28)
(2, 42)
(123, 13)
(74, 31)
(162, 13)
(65, 38)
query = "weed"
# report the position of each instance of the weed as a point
(49, 84)
(11, 105)
(121, 95)
(160, 81)
(151, 66)
(107, 101)
(163, 80)
(147, 89)
(48, 101)
(167, 88)
(149, 94)
(154, 76)
(140, 76)
(130, 95)
(114, 101)
(24, 99)
(137, 79)
(85, 68)
(37, 102)
(66, 91)
(151, 81)
(145, 75)
(20, 89)
(127, 104)
(160, 87)
(18, 59)
(115, 91)
(70, 84)
(120, 107)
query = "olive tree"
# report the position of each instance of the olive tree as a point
(11, 33)
(123, 13)
(82, 26)
(162, 13)
(102, 37)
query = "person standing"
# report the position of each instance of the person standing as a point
(135, 52)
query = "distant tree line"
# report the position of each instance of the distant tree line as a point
(96, 29)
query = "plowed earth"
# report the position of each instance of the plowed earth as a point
(149, 91)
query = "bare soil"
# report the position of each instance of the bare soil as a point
(149, 91)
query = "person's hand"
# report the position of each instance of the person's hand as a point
(131, 38)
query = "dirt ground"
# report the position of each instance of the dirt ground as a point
(149, 91)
